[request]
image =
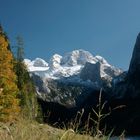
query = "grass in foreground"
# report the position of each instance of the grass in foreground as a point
(29, 130)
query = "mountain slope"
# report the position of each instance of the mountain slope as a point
(64, 78)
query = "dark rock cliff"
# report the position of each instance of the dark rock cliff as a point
(127, 93)
(133, 76)
(134, 68)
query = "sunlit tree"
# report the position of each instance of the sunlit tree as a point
(9, 103)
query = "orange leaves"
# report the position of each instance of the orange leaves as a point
(9, 104)
(2, 40)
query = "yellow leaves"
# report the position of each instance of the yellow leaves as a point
(9, 104)
(4, 43)
(2, 39)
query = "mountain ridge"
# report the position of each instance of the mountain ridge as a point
(76, 58)
(76, 69)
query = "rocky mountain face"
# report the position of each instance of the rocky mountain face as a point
(134, 67)
(64, 79)
(129, 86)
(127, 92)
(134, 71)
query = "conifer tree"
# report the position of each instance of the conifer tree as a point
(28, 100)
(9, 103)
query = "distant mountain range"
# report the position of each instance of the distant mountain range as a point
(78, 67)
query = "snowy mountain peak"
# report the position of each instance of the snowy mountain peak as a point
(101, 59)
(78, 57)
(38, 62)
(55, 61)
(72, 64)
(36, 65)
(27, 62)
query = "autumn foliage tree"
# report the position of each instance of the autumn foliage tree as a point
(9, 103)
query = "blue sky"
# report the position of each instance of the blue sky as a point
(105, 27)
